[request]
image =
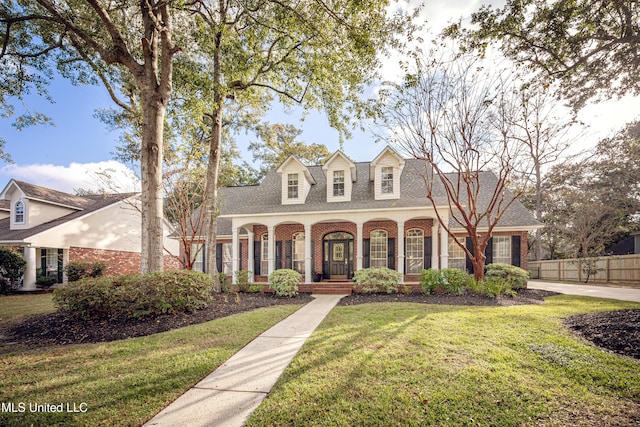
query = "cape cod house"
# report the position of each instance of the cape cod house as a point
(343, 216)
(53, 228)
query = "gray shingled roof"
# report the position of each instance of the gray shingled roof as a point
(32, 191)
(266, 197)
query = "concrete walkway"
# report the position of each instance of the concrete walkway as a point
(625, 294)
(229, 395)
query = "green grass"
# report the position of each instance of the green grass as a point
(13, 307)
(411, 364)
(123, 382)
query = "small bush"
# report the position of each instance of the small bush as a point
(492, 287)
(371, 280)
(11, 268)
(285, 282)
(242, 277)
(77, 270)
(449, 280)
(515, 277)
(136, 296)
(225, 282)
(255, 288)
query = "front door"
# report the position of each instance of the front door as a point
(338, 259)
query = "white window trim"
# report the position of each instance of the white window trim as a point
(23, 213)
(379, 260)
(411, 240)
(297, 257)
(501, 243)
(457, 255)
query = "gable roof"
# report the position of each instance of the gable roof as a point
(83, 205)
(340, 154)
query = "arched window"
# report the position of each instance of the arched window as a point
(415, 251)
(298, 252)
(19, 217)
(378, 248)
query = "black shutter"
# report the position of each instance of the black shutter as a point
(313, 258)
(515, 250)
(60, 266)
(391, 253)
(278, 255)
(366, 262)
(488, 252)
(43, 261)
(219, 257)
(257, 251)
(469, 244)
(287, 254)
(204, 257)
(405, 255)
(427, 253)
(240, 257)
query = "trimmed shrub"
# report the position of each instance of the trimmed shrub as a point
(383, 279)
(242, 277)
(492, 287)
(136, 296)
(77, 270)
(449, 280)
(285, 282)
(11, 268)
(515, 277)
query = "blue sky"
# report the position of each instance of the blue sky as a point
(63, 156)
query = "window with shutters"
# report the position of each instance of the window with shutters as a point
(378, 248)
(415, 251)
(502, 249)
(298, 252)
(457, 255)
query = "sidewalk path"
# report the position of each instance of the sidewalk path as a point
(625, 294)
(229, 395)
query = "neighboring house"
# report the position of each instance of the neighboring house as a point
(343, 216)
(53, 228)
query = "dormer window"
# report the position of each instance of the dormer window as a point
(338, 183)
(292, 186)
(19, 214)
(387, 180)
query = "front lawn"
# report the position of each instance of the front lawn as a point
(413, 364)
(122, 382)
(13, 307)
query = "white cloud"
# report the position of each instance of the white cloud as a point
(110, 176)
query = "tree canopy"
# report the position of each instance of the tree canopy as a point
(591, 46)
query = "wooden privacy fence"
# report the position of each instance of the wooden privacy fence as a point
(619, 268)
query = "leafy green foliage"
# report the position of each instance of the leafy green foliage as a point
(285, 282)
(12, 265)
(242, 279)
(492, 287)
(449, 280)
(590, 46)
(77, 270)
(515, 277)
(383, 279)
(136, 296)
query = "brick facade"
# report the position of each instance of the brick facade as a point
(118, 262)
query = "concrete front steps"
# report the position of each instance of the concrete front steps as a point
(332, 288)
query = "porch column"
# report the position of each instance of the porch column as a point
(234, 255)
(359, 257)
(250, 254)
(444, 248)
(401, 250)
(271, 250)
(308, 267)
(434, 245)
(29, 283)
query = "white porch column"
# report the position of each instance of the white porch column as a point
(444, 245)
(251, 255)
(308, 268)
(434, 245)
(271, 250)
(234, 255)
(359, 227)
(29, 283)
(401, 255)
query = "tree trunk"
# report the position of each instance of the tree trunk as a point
(212, 194)
(538, 242)
(151, 168)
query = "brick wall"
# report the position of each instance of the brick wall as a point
(118, 262)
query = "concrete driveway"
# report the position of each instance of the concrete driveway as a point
(625, 294)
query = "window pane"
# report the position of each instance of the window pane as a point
(197, 257)
(502, 249)
(387, 180)
(264, 255)
(457, 255)
(292, 186)
(415, 251)
(227, 261)
(298, 252)
(338, 183)
(378, 248)
(19, 212)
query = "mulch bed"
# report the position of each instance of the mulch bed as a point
(617, 331)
